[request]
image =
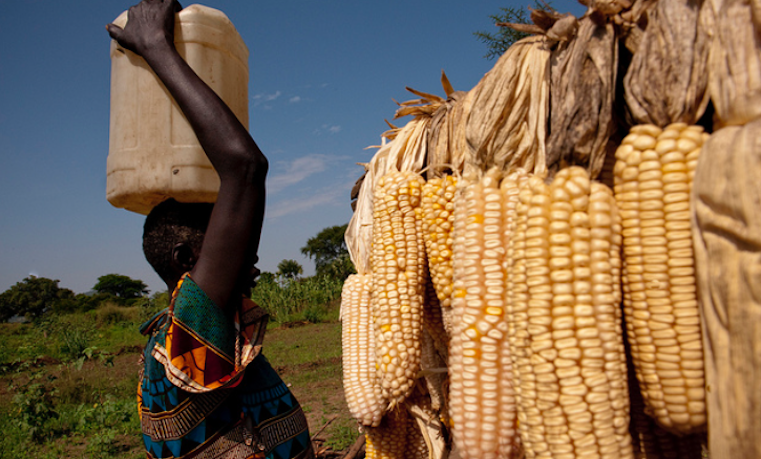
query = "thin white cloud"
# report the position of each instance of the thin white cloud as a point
(297, 171)
(324, 197)
(294, 99)
(263, 97)
(334, 129)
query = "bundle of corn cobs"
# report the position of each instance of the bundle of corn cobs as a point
(549, 267)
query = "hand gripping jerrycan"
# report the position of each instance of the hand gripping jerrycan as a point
(153, 154)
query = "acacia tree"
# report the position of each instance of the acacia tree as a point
(32, 297)
(497, 43)
(121, 286)
(328, 249)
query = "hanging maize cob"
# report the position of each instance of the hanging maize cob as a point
(398, 265)
(654, 172)
(649, 440)
(390, 439)
(482, 401)
(571, 363)
(360, 377)
(438, 224)
(416, 445)
(517, 304)
(509, 189)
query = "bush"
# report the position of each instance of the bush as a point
(73, 342)
(111, 314)
(90, 302)
(34, 403)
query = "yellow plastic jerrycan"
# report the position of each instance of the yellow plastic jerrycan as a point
(153, 153)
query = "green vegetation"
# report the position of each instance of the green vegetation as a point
(289, 269)
(121, 286)
(328, 249)
(68, 380)
(69, 374)
(300, 300)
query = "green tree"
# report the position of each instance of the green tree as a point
(32, 297)
(121, 286)
(266, 278)
(328, 249)
(289, 269)
(497, 43)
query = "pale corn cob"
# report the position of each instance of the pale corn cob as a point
(649, 440)
(438, 224)
(360, 377)
(571, 362)
(482, 400)
(389, 439)
(517, 304)
(509, 189)
(417, 448)
(654, 172)
(398, 265)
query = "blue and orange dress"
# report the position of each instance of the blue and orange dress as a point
(206, 391)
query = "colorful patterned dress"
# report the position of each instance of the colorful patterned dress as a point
(207, 392)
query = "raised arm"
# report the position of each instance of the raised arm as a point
(232, 237)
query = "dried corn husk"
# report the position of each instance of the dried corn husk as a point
(735, 59)
(430, 427)
(667, 79)
(506, 112)
(727, 236)
(462, 155)
(359, 232)
(633, 22)
(441, 152)
(582, 93)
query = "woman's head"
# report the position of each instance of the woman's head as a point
(173, 226)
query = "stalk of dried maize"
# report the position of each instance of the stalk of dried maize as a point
(389, 439)
(398, 289)
(360, 377)
(654, 171)
(482, 401)
(438, 224)
(574, 403)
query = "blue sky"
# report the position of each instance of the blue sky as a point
(323, 77)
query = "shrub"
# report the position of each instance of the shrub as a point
(73, 342)
(34, 403)
(111, 314)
